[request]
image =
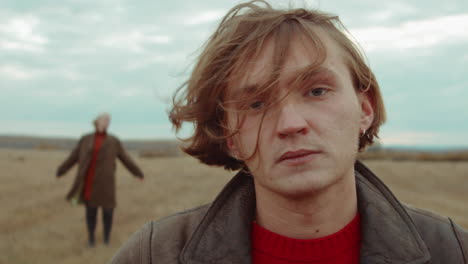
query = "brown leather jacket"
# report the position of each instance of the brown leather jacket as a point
(220, 232)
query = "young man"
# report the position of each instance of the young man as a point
(94, 184)
(285, 97)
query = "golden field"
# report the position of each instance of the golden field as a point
(38, 226)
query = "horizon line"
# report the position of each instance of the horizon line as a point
(415, 147)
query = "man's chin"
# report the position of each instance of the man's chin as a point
(304, 185)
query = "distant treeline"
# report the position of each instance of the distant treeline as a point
(171, 148)
(400, 155)
(146, 148)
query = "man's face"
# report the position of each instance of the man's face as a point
(309, 140)
(102, 123)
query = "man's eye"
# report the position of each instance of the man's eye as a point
(315, 92)
(256, 105)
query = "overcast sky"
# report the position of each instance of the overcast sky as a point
(63, 62)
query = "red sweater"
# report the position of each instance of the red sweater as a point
(341, 247)
(98, 140)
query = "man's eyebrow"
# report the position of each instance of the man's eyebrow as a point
(244, 90)
(318, 74)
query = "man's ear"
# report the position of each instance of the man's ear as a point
(367, 111)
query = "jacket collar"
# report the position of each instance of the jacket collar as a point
(89, 142)
(223, 235)
(388, 233)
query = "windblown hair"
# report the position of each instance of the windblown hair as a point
(101, 115)
(239, 38)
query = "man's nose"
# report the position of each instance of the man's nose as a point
(291, 121)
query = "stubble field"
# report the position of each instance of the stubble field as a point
(37, 225)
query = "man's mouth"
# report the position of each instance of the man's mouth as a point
(296, 155)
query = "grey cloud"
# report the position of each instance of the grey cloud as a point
(414, 34)
(81, 64)
(21, 33)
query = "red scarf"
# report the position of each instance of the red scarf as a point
(98, 140)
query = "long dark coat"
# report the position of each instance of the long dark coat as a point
(103, 188)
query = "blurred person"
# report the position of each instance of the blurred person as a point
(94, 185)
(286, 98)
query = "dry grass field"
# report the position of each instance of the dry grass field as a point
(38, 226)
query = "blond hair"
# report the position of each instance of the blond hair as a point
(240, 37)
(101, 115)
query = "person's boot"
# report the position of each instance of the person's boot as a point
(91, 242)
(106, 235)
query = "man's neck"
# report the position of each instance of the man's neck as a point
(101, 132)
(317, 215)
